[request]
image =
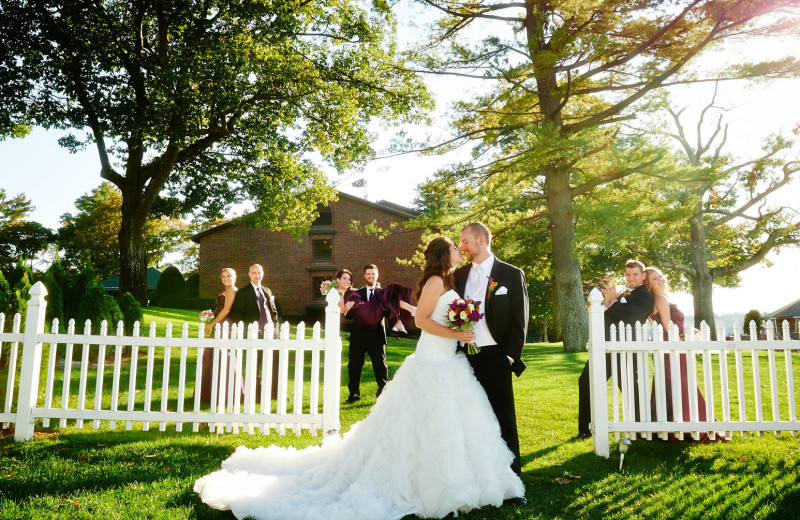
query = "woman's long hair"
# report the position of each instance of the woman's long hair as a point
(437, 263)
(657, 271)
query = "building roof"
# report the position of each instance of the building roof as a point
(383, 205)
(793, 309)
(153, 274)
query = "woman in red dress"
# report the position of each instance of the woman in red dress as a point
(665, 312)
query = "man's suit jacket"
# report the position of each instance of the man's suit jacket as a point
(637, 307)
(245, 306)
(506, 314)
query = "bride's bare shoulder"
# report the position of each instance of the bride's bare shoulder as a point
(434, 285)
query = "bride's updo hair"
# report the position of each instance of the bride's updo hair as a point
(437, 263)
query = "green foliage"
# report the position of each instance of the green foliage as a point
(97, 306)
(5, 296)
(20, 293)
(131, 311)
(193, 285)
(55, 295)
(80, 287)
(752, 315)
(562, 77)
(19, 238)
(171, 288)
(192, 110)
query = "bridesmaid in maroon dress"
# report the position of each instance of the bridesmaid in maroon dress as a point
(390, 302)
(224, 303)
(663, 313)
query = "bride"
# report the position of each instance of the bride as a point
(430, 446)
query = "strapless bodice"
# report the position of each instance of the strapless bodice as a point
(431, 346)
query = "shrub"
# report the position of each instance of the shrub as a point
(84, 281)
(193, 286)
(53, 279)
(5, 296)
(97, 306)
(171, 288)
(131, 311)
(20, 295)
(755, 316)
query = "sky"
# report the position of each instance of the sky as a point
(52, 178)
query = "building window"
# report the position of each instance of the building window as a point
(316, 281)
(325, 217)
(322, 250)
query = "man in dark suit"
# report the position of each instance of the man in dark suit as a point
(254, 302)
(631, 306)
(367, 340)
(500, 335)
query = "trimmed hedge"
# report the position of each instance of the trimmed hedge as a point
(193, 286)
(131, 311)
(171, 288)
(98, 306)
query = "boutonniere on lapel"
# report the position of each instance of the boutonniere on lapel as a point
(625, 294)
(492, 287)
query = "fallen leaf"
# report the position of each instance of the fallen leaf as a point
(83, 457)
(166, 468)
(150, 456)
(130, 464)
(10, 474)
(563, 481)
(742, 459)
(558, 464)
(73, 502)
(98, 444)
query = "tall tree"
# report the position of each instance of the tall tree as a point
(19, 238)
(563, 74)
(216, 101)
(733, 220)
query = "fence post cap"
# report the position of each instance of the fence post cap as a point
(595, 295)
(38, 289)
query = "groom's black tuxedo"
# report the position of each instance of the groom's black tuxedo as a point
(363, 341)
(636, 307)
(507, 320)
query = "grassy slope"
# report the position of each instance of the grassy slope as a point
(71, 473)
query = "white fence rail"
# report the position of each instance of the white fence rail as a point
(719, 369)
(178, 402)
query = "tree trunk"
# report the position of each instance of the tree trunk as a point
(571, 306)
(133, 248)
(554, 329)
(702, 280)
(545, 325)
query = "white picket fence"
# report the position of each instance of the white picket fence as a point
(229, 410)
(646, 347)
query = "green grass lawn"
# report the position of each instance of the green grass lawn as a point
(72, 473)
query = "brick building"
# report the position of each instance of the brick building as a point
(294, 269)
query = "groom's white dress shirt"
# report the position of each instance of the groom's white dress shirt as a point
(477, 282)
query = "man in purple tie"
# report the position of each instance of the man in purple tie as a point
(254, 302)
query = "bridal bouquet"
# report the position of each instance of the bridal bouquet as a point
(463, 315)
(327, 285)
(207, 316)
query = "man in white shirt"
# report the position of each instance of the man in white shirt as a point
(500, 335)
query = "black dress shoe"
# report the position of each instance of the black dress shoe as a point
(518, 501)
(581, 436)
(353, 398)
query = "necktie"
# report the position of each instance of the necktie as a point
(264, 316)
(369, 294)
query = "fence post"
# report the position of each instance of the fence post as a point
(332, 375)
(597, 374)
(31, 363)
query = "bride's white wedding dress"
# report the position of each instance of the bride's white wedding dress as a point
(430, 446)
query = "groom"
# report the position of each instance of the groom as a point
(500, 335)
